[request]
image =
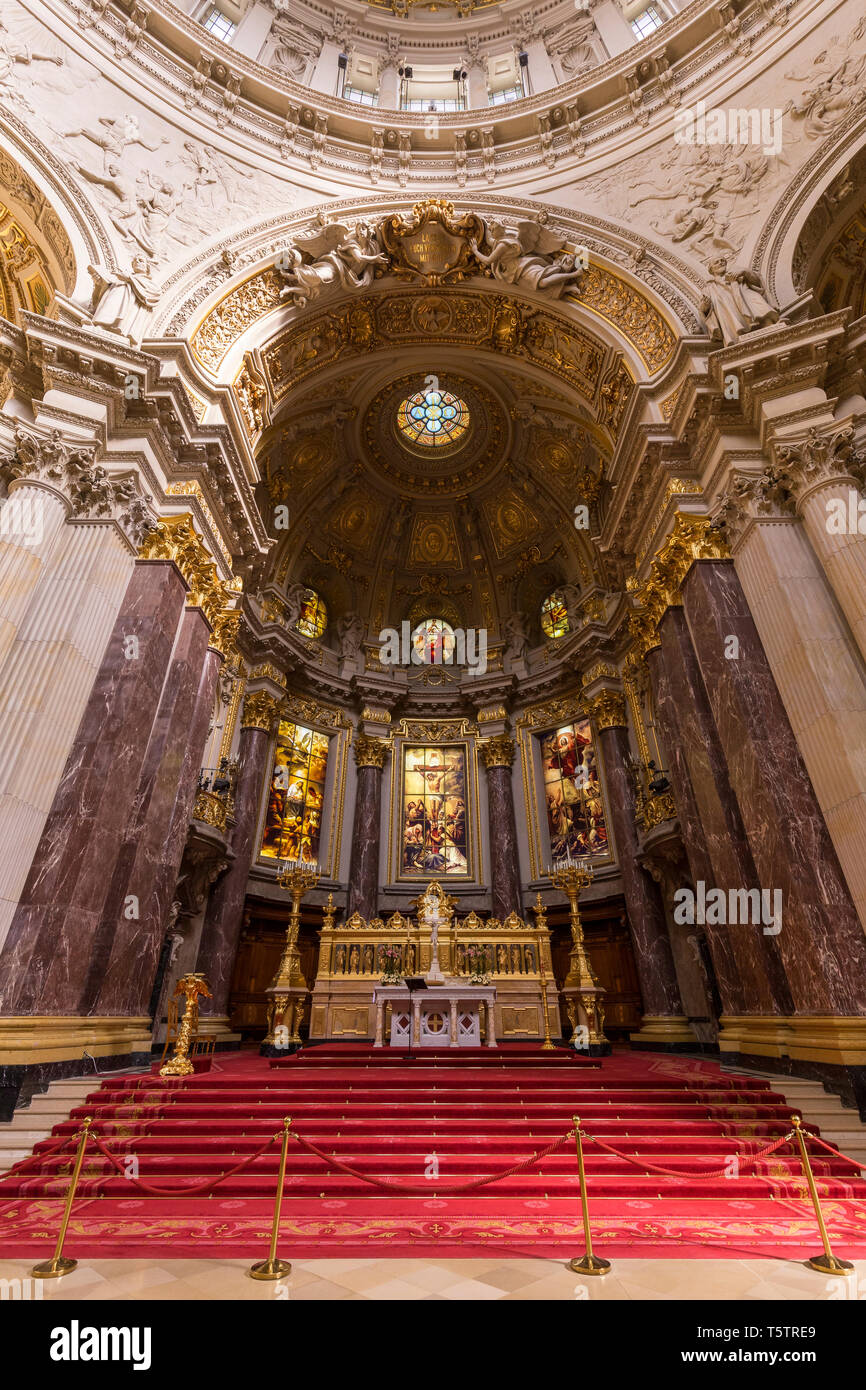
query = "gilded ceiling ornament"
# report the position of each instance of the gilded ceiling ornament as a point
(260, 711)
(608, 710)
(371, 752)
(498, 751)
(239, 310)
(308, 711)
(629, 311)
(434, 541)
(430, 243)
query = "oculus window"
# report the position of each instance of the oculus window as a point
(433, 418)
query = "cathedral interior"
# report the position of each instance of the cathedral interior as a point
(433, 547)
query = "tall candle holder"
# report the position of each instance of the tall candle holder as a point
(583, 993)
(288, 989)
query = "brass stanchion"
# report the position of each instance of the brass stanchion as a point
(588, 1263)
(272, 1268)
(547, 1045)
(826, 1263)
(60, 1264)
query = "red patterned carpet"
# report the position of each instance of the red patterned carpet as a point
(425, 1128)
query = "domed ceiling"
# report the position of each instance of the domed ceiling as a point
(469, 527)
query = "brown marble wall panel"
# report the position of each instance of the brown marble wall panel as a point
(225, 910)
(821, 941)
(45, 961)
(502, 827)
(126, 953)
(646, 916)
(748, 969)
(363, 894)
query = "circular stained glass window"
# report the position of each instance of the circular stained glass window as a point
(313, 617)
(433, 418)
(554, 615)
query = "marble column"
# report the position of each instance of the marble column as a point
(818, 471)
(821, 941)
(817, 669)
(748, 970)
(45, 961)
(663, 1024)
(363, 895)
(45, 683)
(30, 521)
(225, 910)
(125, 956)
(498, 756)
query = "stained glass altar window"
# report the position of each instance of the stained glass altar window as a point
(554, 615)
(433, 832)
(573, 795)
(294, 820)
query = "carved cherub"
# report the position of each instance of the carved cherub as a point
(530, 256)
(332, 256)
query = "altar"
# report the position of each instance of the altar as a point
(447, 1015)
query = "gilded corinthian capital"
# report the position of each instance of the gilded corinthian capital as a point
(260, 711)
(498, 751)
(608, 710)
(370, 752)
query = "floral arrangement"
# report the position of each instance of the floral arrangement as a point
(391, 965)
(478, 961)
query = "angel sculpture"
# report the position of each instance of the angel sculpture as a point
(332, 256)
(530, 256)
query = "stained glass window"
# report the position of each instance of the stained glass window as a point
(572, 790)
(294, 820)
(313, 617)
(433, 835)
(433, 640)
(433, 418)
(554, 615)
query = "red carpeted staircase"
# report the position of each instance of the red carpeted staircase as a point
(429, 1125)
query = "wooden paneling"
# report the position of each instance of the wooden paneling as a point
(259, 950)
(609, 947)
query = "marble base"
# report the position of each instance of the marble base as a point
(663, 1033)
(19, 1083)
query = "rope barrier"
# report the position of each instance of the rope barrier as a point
(184, 1191)
(831, 1148)
(50, 1150)
(390, 1186)
(672, 1173)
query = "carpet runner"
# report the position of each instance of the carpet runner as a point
(431, 1124)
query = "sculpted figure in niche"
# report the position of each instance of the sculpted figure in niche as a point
(516, 631)
(123, 299)
(332, 257)
(350, 630)
(735, 302)
(530, 256)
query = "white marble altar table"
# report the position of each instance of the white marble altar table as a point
(447, 1015)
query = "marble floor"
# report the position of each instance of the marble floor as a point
(456, 1280)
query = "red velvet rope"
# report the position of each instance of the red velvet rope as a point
(210, 1184)
(433, 1187)
(25, 1163)
(671, 1173)
(831, 1148)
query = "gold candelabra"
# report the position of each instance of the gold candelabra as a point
(190, 987)
(541, 925)
(582, 989)
(289, 987)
